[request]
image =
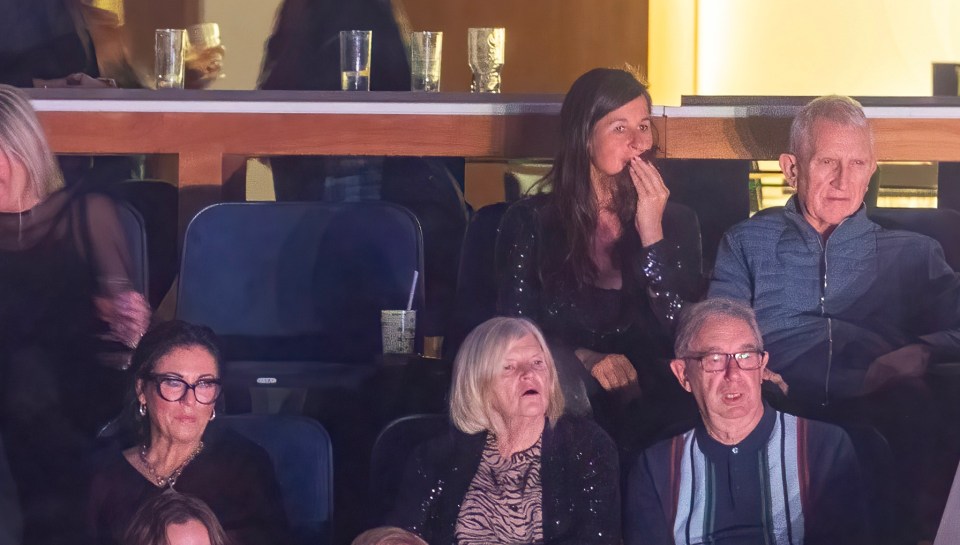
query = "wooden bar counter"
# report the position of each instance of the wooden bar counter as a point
(905, 128)
(205, 130)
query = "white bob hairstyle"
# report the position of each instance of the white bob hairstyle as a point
(480, 357)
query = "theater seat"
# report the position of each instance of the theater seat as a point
(940, 224)
(300, 450)
(295, 290)
(391, 454)
(476, 295)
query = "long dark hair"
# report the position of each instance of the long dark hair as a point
(149, 524)
(572, 204)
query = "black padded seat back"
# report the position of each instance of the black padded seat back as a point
(391, 455)
(940, 224)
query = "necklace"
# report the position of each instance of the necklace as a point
(171, 479)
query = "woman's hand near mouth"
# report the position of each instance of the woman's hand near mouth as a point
(652, 197)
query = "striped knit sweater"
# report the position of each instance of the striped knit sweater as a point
(791, 481)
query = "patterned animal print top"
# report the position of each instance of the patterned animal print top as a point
(504, 503)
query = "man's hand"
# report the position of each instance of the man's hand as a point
(911, 361)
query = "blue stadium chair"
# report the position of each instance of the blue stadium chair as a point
(295, 290)
(300, 450)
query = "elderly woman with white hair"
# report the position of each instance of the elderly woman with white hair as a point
(513, 468)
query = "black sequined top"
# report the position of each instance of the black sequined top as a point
(579, 473)
(636, 321)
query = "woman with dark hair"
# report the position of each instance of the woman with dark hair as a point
(175, 519)
(175, 389)
(592, 261)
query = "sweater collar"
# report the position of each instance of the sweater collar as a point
(753, 442)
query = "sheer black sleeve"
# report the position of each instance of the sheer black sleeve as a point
(104, 243)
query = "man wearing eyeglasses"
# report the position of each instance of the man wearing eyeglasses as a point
(746, 473)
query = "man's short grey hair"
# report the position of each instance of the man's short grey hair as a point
(839, 109)
(693, 317)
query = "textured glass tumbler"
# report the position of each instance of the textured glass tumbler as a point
(355, 59)
(168, 57)
(398, 331)
(425, 52)
(485, 48)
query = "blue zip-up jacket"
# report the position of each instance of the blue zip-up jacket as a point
(827, 309)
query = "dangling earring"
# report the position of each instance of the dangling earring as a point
(214, 415)
(143, 409)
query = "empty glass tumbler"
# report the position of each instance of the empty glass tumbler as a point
(168, 58)
(485, 48)
(425, 52)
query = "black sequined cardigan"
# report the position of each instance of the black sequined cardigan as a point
(579, 474)
(657, 280)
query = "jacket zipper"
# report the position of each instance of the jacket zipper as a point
(823, 312)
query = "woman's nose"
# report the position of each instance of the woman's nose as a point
(525, 370)
(189, 397)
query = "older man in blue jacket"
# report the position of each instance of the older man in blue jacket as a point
(851, 313)
(844, 305)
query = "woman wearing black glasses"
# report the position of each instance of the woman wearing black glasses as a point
(176, 386)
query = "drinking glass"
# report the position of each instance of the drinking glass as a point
(485, 48)
(168, 58)
(425, 52)
(355, 59)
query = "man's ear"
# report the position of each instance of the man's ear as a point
(679, 368)
(790, 167)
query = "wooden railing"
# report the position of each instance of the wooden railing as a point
(207, 131)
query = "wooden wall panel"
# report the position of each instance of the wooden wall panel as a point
(549, 42)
